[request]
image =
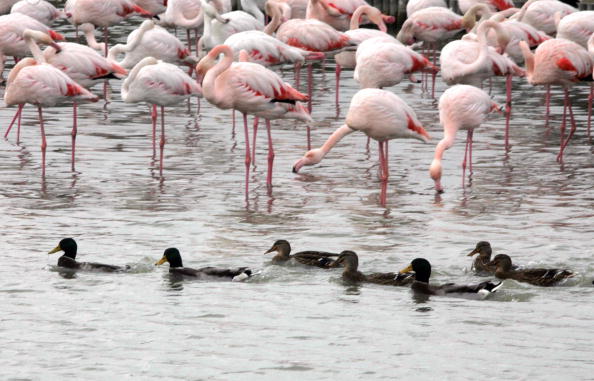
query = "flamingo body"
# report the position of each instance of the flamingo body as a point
(40, 10)
(431, 25)
(415, 5)
(577, 27)
(312, 35)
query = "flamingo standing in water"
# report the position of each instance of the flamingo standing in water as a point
(102, 13)
(379, 114)
(558, 62)
(541, 14)
(338, 13)
(251, 89)
(461, 107)
(34, 81)
(160, 84)
(82, 64)
(12, 42)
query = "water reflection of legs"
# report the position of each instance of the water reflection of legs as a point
(270, 157)
(154, 120)
(590, 99)
(247, 154)
(573, 128)
(43, 142)
(74, 131)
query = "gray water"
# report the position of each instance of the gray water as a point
(291, 323)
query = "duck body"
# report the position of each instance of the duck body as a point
(350, 261)
(422, 269)
(176, 267)
(68, 260)
(538, 277)
(315, 258)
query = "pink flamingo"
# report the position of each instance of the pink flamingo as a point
(151, 40)
(12, 43)
(461, 107)
(293, 9)
(471, 62)
(103, 13)
(185, 14)
(383, 63)
(5, 6)
(541, 14)
(154, 7)
(34, 81)
(558, 62)
(40, 10)
(494, 5)
(577, 27)
(158, 83)
(357, 35)
(430, 25)
(379, 114)
(415, 5)
(251, 89)
(338, 13)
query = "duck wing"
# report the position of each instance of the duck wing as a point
(320, 259)
(542, 277)
(392, 279)
(230, 274)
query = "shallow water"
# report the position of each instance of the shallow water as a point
(291, 322)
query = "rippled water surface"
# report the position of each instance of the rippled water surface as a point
(291, 323)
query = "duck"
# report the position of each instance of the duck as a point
(538, 277)
(481, 262)
(319, 259)
(176, 266)
(68, 260)
(350, 261)
(420, 285)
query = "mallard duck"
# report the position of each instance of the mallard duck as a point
(481, 262)
(350, 261)
(311, 258)
(422, 269)
(176, 266)
(537, 277)
(68, 260)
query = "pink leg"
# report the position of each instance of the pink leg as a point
(233, 120)
(256, 120)
(247, 154)
(338, 71)
(189, 40)
(590, 99)
(433, 76)
(465, 158)
(19, 125)
(74, 130)
(154, 118)
(508, 88)
(470, 133)
(270, 155)
(547, 108)
(386, 171)
(43, 141)
(162, 142)
(562, 133)
(14, 118)
(382, 159)
(309, 86)
(571, 132)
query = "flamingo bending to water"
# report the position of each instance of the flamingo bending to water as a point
(160, 84)
(379, 114)
(34, 81)
(251, 89)
(461, 107)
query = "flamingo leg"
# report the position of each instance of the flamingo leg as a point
(508, 108)
(309, 86)
(74, 130)
(338, 71)
(233, 121)
(14, 118)
(256, 120)
(189, 40)
(571, 132)
(562, 137)
(386, 171)
(590, 99)
(43, 141)
(382, 167)
(247, 154)
(465, 158)
(548, 107)
(270, 155)
(19, 124)
(162, 142)
(154, 119)
(471, 134)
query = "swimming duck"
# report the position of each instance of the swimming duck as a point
(68, 260)
(422, 269)
(320, 259)
(481, 263)
(176, 266)
(537, 277)
(350, 261)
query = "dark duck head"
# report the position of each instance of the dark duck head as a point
(422, 269)
(483, 249)
(68, 246)
(172, 256)
(282, 247)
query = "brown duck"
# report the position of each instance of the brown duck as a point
(310, 258)
(350, 261)
(537, 277)
(481, 262)
(422, 270)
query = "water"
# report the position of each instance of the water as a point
(291, 323)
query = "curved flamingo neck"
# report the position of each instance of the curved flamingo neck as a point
(483, 56)
(34, 48)
(336, 136)
(275, 20)
(373, 14)
(180, 19)
(132, 44)
(528, 58)
(133, 74)
(89, 33)
(449, 135)
(520, 15)
(209, 84)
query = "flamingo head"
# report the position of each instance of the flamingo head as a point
(41, 38)
(312, 157)
(205, 64)
(435, 173)
(406, 35)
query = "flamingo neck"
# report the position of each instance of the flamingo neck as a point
(92, 41)
(132, 77)
(209, 86)
(372, 14)
(251, 7)
(435, 170)
(274, 22)
(520, 15)
(483, 56)
(34, 48)
(181, 20)
(528, 58)
(336, 136)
